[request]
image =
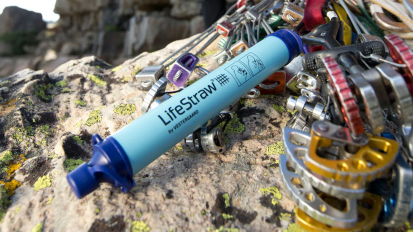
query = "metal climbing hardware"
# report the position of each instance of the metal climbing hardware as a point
(182, 69)
(348, 134)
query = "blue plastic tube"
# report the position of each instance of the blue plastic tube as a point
(123, 154)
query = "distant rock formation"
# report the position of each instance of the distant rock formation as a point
(15, 19)
(112, 30)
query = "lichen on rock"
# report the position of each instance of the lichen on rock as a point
(97, 80)
(125, 109)
(275, 192)
(275, 149)
(72, 164)
(80, 102)
(6, 156)
(11, 186)
(61, 83)
(139, 226)
(278, 108)
(43, 182)
(38, 228)
(94, 117)
(41, 91)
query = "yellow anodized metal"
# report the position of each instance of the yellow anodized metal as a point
(366, 164)
(341, 13)
(368, 210)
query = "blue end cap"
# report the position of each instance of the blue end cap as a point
(108, 164)
(292, 40)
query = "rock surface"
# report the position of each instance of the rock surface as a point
(17, 19)
(46, 124)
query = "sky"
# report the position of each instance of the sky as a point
(45, 7)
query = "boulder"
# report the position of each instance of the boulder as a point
(50, 118)
(15, 19)
(148, 33)
(197, 25)
(185, 8)
(70, 7)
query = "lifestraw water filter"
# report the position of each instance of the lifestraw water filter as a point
(118, 157)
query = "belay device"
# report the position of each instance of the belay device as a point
(123, 154)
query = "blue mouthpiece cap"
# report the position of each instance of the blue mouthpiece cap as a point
(108, 164)
(292, 40)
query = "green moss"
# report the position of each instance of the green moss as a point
(80, 103)
(4, 83)
(94, 117)
(42, 182)
(98, 81)
(18, 135)
(65, 90)
(227, 200)
(98, 67)
(139, 226)
(249, 103)
(294, 228)
(227, 216)
(117, 68)
(44, 142)
(278, 108)
(233, 126)
(78, 139)
(38, 228)
(29, 131)
(125, 109)
(139, 214)
(97, 210)
(203, 212)
(61, 83)
(6, 157)
(17, 209)
(41, 91)
(72, 164)
(45, 130)
(275, 149)
(276, 194)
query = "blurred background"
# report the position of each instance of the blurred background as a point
(43, 34)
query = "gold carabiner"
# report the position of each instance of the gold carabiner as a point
(368, 211)
(360, 162)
